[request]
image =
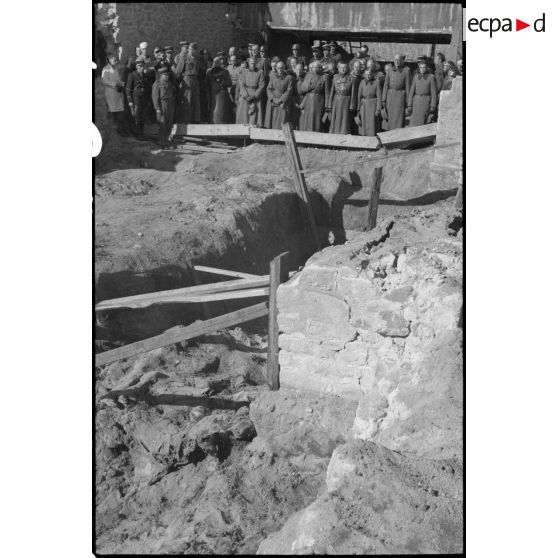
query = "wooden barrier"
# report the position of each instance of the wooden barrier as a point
(404, 137)
(278, 273)
(143, 300)
(183, 334)
(317, 138)
(226, 130)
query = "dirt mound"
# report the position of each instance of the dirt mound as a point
(378, 502)
(185, 479)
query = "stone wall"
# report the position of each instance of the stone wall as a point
(376, 321)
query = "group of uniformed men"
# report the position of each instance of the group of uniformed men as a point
(326, 93)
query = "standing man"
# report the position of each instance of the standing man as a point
(439, 71)
(114, 93)
(396, 92)
(295, 59)
(369, 102)
(233, 51)
(234, 70)
(357, 73)
(250, 85)
(264, 61)
(361, 56)
(316, 54)
(298, 95)
(187, 70)
(314, 88)
(279, 95)
(334, 52)
(422, 96)
(218, 88)
(340, 101)
(326, 49)
(163, 101)
(137, 89)
(182, 53)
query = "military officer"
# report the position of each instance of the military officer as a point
(295, 59)
(137, 91)
(163, 101)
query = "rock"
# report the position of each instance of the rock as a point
(295, 423)
(378, 502)
(212, 435)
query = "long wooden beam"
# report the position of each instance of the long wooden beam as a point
(317, 138)
(225, 272)
(411, 135)
(161, 296)
(227, 130)
(182, 334)
(213, 297)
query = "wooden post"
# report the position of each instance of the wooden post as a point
(300, 181)
(278, 273)
(374, 197)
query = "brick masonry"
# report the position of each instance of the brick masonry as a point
(168, 24)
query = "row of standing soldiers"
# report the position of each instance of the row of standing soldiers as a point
(323, 94)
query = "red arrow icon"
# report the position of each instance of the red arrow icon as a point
(519, 25)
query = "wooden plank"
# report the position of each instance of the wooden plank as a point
(205, 149)
(401, 137)
(277, 274)
(161, 296)
(374, 197)
(317, 138)
(370, 159)
(227, 130)
(182, 334)
(299, 179)
(225, 272)
(203, 298)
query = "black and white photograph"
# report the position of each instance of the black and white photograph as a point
(278, 278)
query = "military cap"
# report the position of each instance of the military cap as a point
(157, 50)
(296, 45)
(168, 49)
(139, 62)
(184, 43)
(143, 45)
(316, 48)
(326, 46)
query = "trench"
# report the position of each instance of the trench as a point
(258, 235)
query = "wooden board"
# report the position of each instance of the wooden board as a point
(225, 272)
(402, 137)
(317, 138)
(182, 334)
(203, 298)
(142, 300)
(227, 130)
(205, 148)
